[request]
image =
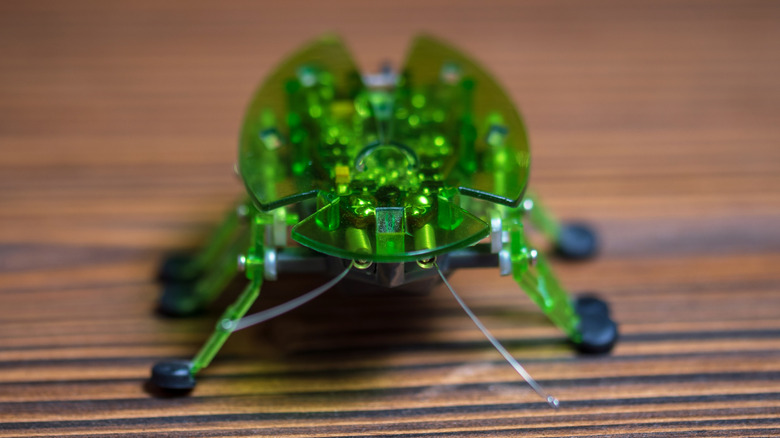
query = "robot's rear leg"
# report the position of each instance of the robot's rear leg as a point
(572, 240)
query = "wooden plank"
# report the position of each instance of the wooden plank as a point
(657, 122)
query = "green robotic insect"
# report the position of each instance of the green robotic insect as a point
(393, 179)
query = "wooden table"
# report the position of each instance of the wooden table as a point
(659, 122)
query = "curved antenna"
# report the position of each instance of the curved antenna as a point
(283, 308)
(552, 401)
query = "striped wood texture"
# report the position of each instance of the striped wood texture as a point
(656, 121)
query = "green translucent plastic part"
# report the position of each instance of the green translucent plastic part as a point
(399, 171)
(387, 164)
(493, 155)
(540, 283)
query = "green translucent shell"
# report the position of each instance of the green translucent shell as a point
(386, 163)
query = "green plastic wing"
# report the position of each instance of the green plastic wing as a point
(277, 135)
(493, 156)
(386, 161)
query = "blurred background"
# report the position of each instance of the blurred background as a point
(658, 122)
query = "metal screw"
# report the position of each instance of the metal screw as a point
(426, 263)
(227, 324)
(504, 262)
(533, 257)
(362, 264)
(269, 261)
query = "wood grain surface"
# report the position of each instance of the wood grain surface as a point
(658, 122)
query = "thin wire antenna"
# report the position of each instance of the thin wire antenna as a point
(283, 308)
(552, 401)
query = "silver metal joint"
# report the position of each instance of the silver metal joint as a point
(241, 263)
(427, 263)
(528, 205)
(496, 232)
(362, 264)
(227, 324)
(533, 257)
(269, 264)
(504, 262)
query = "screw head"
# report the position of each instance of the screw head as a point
(427, 263)
(362, 264)
(228, 324)
(533, 257)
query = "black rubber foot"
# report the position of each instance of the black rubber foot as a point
(173, 376)
(576, 242)
(174, 268)
(599, 332)
(178, 299)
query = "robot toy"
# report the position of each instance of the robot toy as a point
(392, 179)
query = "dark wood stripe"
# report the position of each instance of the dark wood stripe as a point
(483, 427)
(141, 403)
(423, 413)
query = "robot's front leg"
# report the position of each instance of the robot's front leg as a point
(586, 320)
(258, 251)
(179, 375)
(574, 241)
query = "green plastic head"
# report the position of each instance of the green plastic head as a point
(388, 158)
